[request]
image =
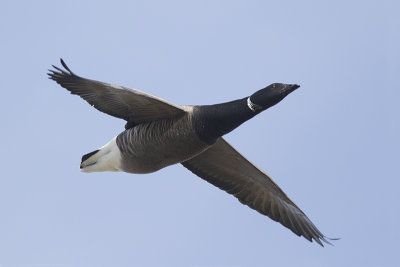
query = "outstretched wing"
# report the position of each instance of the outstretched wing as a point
(224, 167)
(131, 105)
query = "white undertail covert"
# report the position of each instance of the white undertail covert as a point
(108, 158)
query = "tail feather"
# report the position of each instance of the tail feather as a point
(88, 155)
(106, 158)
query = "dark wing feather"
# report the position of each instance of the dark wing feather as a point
(224, 167)
(131, 105)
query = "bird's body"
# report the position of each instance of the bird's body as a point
(151, 146)
(158, 134)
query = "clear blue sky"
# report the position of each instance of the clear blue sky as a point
(333, 145)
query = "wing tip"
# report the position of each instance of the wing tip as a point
(65, 66)
(58, 74)
(321, 240)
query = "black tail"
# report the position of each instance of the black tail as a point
(85, 157)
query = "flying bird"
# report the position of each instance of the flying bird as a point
(158, 134)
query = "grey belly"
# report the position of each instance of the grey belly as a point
(151, 147)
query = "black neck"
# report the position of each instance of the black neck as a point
(213, 121)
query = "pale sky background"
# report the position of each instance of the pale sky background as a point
(333, 145)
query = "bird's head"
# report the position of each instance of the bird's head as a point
(271, 95)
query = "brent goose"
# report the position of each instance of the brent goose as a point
(158, 134)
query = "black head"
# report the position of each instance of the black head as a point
(272, 94)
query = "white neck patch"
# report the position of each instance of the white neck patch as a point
(253, 107)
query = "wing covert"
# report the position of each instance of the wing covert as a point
(131, 105)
